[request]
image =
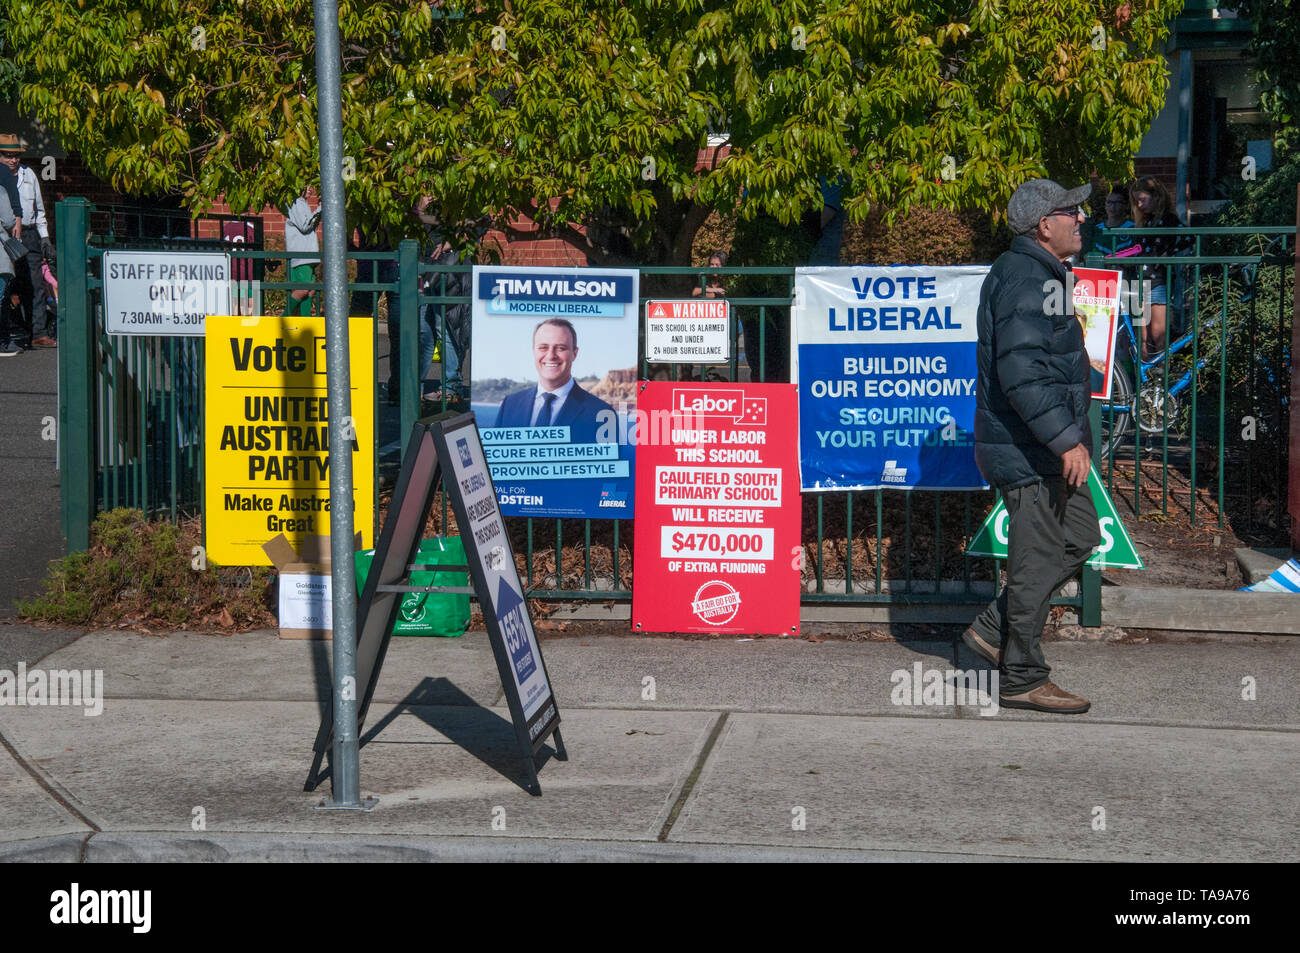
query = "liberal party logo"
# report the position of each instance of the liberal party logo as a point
(893, 473)
(610, 498)
(463, 446)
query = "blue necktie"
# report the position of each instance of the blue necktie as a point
(544, 415)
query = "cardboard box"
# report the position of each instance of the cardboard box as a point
(306, 593)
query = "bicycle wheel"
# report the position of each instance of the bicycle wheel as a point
(1116, 413)
(1156, 407)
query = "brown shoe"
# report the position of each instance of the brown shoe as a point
(1048, 697)
(44, 341)
(981, 648)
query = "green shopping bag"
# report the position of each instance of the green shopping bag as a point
(429, 613)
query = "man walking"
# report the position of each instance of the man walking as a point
(1032, 437)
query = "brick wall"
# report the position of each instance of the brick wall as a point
(1164, 168)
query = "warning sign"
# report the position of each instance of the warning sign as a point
(266, 447)
(717, 546)
(1116, 550)
(688, 331)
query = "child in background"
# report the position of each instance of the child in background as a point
(300, 235)
(52, 285)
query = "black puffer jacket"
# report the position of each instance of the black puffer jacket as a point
(1033, 394)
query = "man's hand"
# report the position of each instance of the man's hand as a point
(1076, 462)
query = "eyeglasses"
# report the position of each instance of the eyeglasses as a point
(1069, 212)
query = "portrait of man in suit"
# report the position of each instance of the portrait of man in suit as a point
(557, 399)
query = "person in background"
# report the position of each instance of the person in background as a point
(36, 236)
(10, 302)
(300, 235)
(7, 221)
(1117, 216)
(1117, 247)
(52, 283)
(451, 317)
(448, 315)
(714, 286)
(1152, 207)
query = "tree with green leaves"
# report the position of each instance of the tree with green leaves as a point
(593, 117)
(11, 77)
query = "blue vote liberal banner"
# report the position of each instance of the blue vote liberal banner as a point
(553, 387)
(885, 363)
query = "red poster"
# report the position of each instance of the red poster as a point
(1096, 299)
(718, 510)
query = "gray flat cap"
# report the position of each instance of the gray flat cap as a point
(1037, 198)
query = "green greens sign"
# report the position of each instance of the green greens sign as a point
(1115, 552)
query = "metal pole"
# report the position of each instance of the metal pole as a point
(1184, 130)
(1090, 581)
(1293, 503)
(77, 424)
(345, 767)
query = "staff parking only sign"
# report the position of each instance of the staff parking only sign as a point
(717, 544)
(885, 360)
(164, 292)
(267, 434)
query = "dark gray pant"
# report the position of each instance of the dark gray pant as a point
(34, 297)
(1052, 532)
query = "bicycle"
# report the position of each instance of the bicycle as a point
(1153, 402)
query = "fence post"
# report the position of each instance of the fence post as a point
(76, 375)
(1293, 496)
(411, 374)
(1090, 583)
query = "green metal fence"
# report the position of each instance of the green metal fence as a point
(131, 416)
(1199, 430)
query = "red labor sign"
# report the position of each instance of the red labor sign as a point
(718, 540)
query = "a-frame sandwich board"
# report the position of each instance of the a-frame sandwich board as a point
(446, 450)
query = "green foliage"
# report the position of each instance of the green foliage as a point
(930, 236)
(596, 113)
(1270, 200)
(11, 76)
(1276, 45)
(766, 241)
(140, 571)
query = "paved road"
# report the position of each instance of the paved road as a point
(747, 750)
(30, 535)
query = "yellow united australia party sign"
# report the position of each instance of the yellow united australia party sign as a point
(266, 430)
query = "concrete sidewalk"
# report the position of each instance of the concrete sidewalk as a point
(770, 749)
(30, 535)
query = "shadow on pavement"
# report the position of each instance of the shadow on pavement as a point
(446, 709)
